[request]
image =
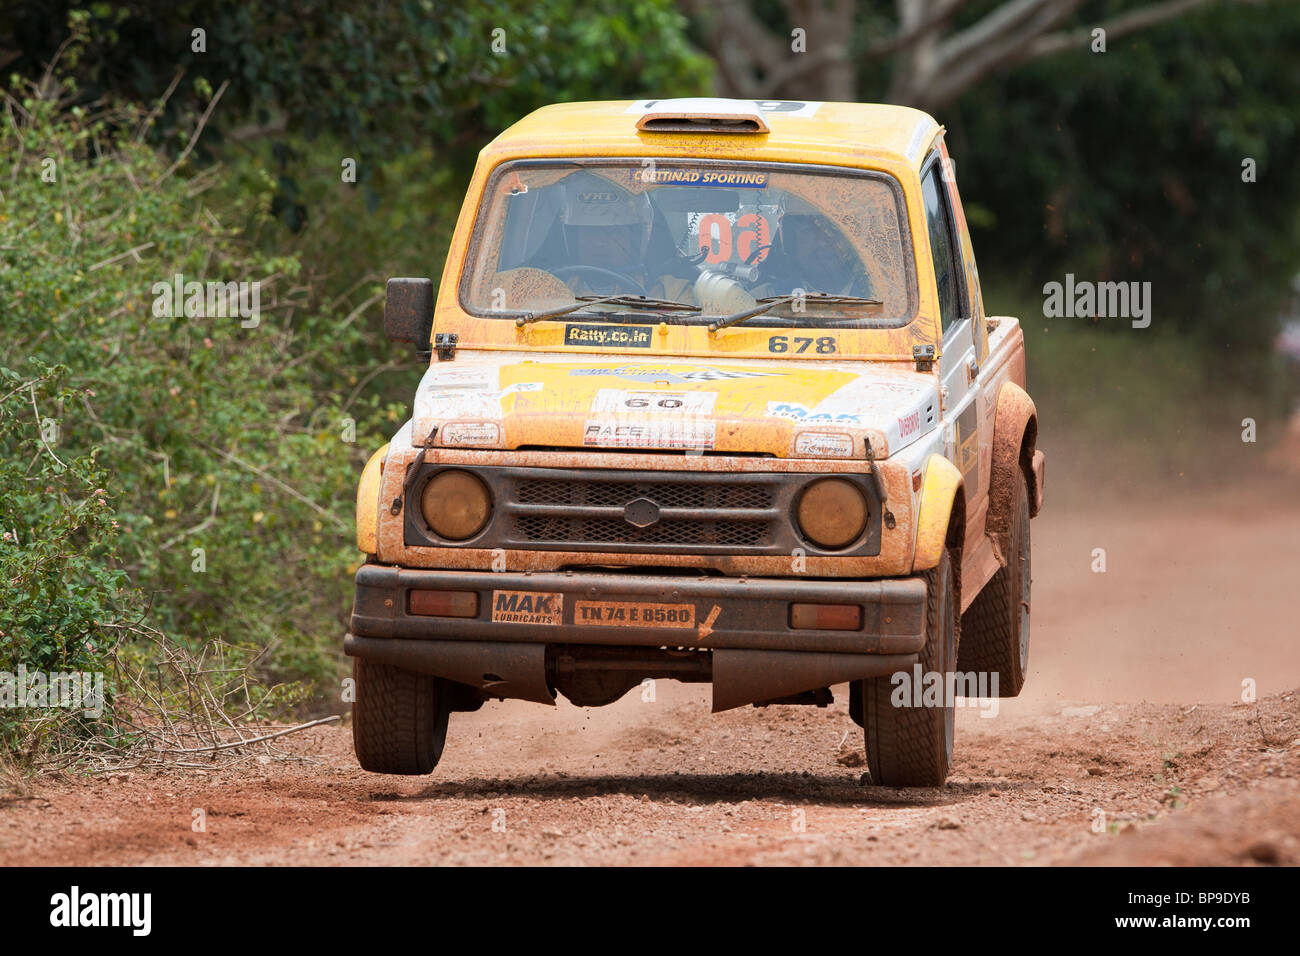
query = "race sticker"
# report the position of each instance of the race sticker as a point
(823, 412)
(466, 378)
(471, 433)
(671, 434)
(638, 373)
(612, 336)
(909, 425)
(629, 400)
(824, 445)
(527, 607)
(633, 614)
(800, 108)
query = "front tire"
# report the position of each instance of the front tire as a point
(399, 719)
(911, 745)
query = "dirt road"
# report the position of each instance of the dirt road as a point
(1131, 745)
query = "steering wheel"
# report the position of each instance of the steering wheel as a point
(563, 271)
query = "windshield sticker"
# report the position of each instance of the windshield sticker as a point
(627, 336)
(723, 237)
(627, 402)
(686, 434)
(748, 179)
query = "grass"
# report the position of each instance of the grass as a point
(1118, 404)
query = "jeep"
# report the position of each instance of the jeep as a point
(711, 396)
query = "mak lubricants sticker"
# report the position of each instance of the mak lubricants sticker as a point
(609, 336)
(527, 607)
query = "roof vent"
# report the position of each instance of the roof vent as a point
(702, 115)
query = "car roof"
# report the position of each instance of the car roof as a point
(824, 131)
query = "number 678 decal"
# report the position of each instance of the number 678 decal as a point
(822, 345)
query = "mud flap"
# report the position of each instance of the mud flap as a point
(749, 677)
(496, 668)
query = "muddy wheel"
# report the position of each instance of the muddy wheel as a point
(995, 628)
(911, 745)
(399, 719)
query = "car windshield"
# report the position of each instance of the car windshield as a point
(688, 242)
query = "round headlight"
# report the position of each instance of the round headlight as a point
(832, 513)
(456, 505)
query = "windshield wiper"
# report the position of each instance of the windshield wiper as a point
(644, 302)
(623, 298)
(770, 303)
(529, 317)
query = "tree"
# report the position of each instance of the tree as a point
(935, 49)
(380, 79)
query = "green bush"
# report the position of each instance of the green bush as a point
(222, 450)
(62, 585)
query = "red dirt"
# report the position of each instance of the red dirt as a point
(1132, 709)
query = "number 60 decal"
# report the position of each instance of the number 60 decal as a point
(718, 237)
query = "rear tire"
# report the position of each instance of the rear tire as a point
(995, 628)
(399, 719)
(911, 745)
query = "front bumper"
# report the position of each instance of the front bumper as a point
(532, 632)
(641, 610)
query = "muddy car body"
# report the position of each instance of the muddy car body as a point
(711, 396)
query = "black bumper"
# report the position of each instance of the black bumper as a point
(642, 610)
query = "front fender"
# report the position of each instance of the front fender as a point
(943, 496)
(368, 502)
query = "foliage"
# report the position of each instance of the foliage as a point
(379, 78)
(1127, 165)
(224, 459)
(57, 541)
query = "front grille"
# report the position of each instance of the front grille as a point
(650, 512)
(575, 531)
(589, 511)
(666, 494)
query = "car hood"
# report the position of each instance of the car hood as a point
(790, 409)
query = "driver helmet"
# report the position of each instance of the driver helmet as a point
(604, 224)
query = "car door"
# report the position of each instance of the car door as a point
(958, 363)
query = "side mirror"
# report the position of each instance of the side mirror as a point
(408, 312)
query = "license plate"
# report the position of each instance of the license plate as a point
(633, 614)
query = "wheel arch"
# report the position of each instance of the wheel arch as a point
(941, 514)
(1015, 440)
(368, 502)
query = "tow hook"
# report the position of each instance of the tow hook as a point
(879, 484)
(411, 472)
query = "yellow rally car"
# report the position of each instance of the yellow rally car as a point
(712, 397)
